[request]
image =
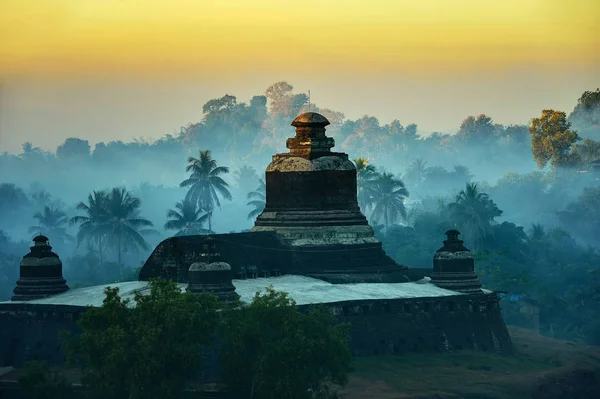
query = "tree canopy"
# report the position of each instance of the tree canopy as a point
(271, 349)
(149, 348)
(552, 139)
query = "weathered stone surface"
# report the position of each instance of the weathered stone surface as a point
(311, 205)
(297, 164)
(40, 273)
(266, 253)
(394, 326)
(214, 278)
(454, 266)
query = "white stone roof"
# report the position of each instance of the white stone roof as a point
(304, 290)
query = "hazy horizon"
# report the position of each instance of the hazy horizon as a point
(115, 70)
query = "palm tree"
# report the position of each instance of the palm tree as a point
(52, 221)
(365, 175)
(390, 194)
(244, 176)
(474, 212)
(41, 198)
(12, 199)
(187, 218)
(417, 171)
(122, 224)
(95, 215)
(259, 199)
(205, 184)
(538, 242)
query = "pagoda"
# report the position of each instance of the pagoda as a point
(40, 273)
(311, 203)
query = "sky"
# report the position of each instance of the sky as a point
(123, 69)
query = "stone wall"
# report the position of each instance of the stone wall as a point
(263, 254)
(30, 332)
(243, 251)
(425, 324)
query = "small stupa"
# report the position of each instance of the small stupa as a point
(40, 273)
(454, 266)
(212, 275)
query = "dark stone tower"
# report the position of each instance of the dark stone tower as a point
(212, 274)
(454, 266)
(311, 204)
(214, 278)
(41, 273)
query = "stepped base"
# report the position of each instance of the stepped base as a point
(30, 289)
(467, 283)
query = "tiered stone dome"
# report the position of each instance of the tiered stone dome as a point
(311, 203)
(40, 273)
(454, 266)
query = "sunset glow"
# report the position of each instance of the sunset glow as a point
(150, 37)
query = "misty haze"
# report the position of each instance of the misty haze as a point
(526, 198)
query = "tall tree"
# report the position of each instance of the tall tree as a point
(73, 148)
(552, 139)
(151, 350)
(365, 175)
(473, 213)
(96, 214)
(205, 183)
(188, 218)
(258, 199)
(582, 217)
(390, 194)
(477, 130)
(586, 153)
(41, 199)
(123, 225)
(417, 171)
(586, 115)
(245, 176)
(463, 173)
(52, 222)
(284, 106)
(12, 200)
(262, 337)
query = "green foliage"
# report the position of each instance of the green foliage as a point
(273, 350)
(365, 175)
(472, 213)
(205, 183)
(545, 264)
(389, 194)
(586, 153)
(587, 111)
(51, 222)
(187, 218)
(478, 129)
(73, 148)
(258, 199)
(112, 217)
(583, 213)
(40, 382)
(552, 139)
(150, 350)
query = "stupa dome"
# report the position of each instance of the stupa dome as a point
(310, 118)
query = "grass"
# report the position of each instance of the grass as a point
(471, 374)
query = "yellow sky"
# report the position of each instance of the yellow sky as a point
(162, 37)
